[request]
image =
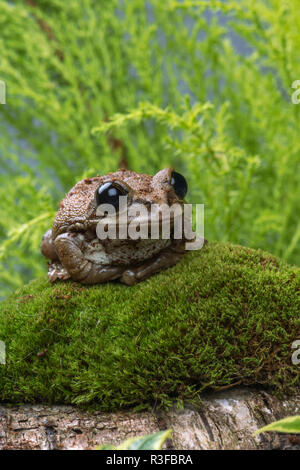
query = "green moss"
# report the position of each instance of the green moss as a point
(222, 316)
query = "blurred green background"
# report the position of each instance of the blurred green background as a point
(203, 86)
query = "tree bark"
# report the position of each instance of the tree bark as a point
(225, 420)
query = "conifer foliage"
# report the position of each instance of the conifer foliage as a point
(203, 86)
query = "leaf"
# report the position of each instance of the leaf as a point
(106, 447)
(288, 425)
(150, 442)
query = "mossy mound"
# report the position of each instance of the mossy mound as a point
(224, 315)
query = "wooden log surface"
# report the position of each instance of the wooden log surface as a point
(225, 420)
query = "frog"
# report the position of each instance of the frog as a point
(73, 248)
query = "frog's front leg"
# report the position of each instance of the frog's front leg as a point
(55, 269)
(47, 246)
(69, 249)
(165, 259)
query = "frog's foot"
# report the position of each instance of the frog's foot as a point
(69, 249)
(57, 271)
(163, 260)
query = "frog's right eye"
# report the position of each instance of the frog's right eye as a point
(109, 193)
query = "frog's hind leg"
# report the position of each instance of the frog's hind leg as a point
(163, 260)
(69, 249)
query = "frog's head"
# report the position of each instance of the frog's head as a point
(79, 210)
(140, 199)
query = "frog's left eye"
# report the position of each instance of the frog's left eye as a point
(109, 193)
(179, 184)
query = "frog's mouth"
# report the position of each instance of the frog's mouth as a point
(151, 225)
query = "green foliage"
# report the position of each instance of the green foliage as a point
(150, 442)
(223, 316)
(161, 83)
(289, 425)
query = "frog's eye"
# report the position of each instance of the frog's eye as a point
(109, 193)
(179, 184)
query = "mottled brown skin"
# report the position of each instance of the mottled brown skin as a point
(75, 250)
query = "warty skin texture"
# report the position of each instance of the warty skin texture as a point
(76, 252)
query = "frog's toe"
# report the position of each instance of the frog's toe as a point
(57, 271)
(128, 277)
